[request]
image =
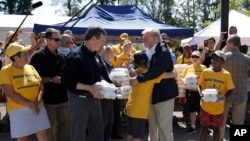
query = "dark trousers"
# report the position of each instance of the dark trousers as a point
(117, 117)
(108, 118)
(86, 113)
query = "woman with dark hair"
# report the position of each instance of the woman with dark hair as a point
(24, 89)
(186, 57)
(178, 51)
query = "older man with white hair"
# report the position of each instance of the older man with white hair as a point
(164, 93)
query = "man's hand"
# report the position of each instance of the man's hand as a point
(220, 97)
(171, 74)
(94, 90)
(56, 79)
(133, 73)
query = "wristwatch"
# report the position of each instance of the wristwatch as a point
(50, 80)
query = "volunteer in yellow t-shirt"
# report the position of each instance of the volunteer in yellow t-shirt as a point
(22, 85)
(191, 73)
(185, 58)
(139, 101)
(216, 77)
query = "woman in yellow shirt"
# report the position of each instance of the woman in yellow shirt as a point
(185, 58)
(126, 57)
(24, 89)
(192, 95)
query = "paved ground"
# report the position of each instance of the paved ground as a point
(179, 130)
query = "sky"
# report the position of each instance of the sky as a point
(46, 9)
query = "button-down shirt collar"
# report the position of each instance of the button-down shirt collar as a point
(150, 52)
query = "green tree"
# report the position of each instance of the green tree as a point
(20, 7)
(3, 6)
(71, 7)
(107, 2)
(157, 9)
(195, 13)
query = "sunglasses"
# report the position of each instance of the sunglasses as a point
(70, 43)
(195, 56)
(55, 39)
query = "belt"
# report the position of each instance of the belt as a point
(82, 95)
(85, 95)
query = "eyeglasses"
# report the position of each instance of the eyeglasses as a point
(41, 37)
(195, 56)
(55, 39)
(70, 43)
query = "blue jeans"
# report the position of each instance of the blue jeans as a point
(86, 113)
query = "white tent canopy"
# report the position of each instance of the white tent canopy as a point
(11, 22)
(213, 30)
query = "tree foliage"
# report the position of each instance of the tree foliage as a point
(20, 7)
(195, 14)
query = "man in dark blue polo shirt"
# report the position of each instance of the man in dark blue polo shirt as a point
(79, 75)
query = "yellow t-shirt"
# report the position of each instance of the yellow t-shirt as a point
(140, 98)
(191, 70)
(25, 82)
(117, 49)
(222, 81)
(122, 59)
(180, 60)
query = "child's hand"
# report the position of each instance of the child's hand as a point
(220, 97)
(133, 73)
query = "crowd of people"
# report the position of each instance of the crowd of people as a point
(51, 85)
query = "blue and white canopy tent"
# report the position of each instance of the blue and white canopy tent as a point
(116, 20)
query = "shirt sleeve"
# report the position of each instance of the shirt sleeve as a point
(163, 63)
(230, 84)
(201, 80)
(5, 76)
(70, 71)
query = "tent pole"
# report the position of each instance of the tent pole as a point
(33, 6)
(75, 15)
(79, 18)
(224, 20)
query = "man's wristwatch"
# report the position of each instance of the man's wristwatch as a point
(50, 80)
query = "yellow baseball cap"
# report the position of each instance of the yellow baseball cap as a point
(126, 42)
(196, 53)
(186, 45)
(124, 36)
(14, 48)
